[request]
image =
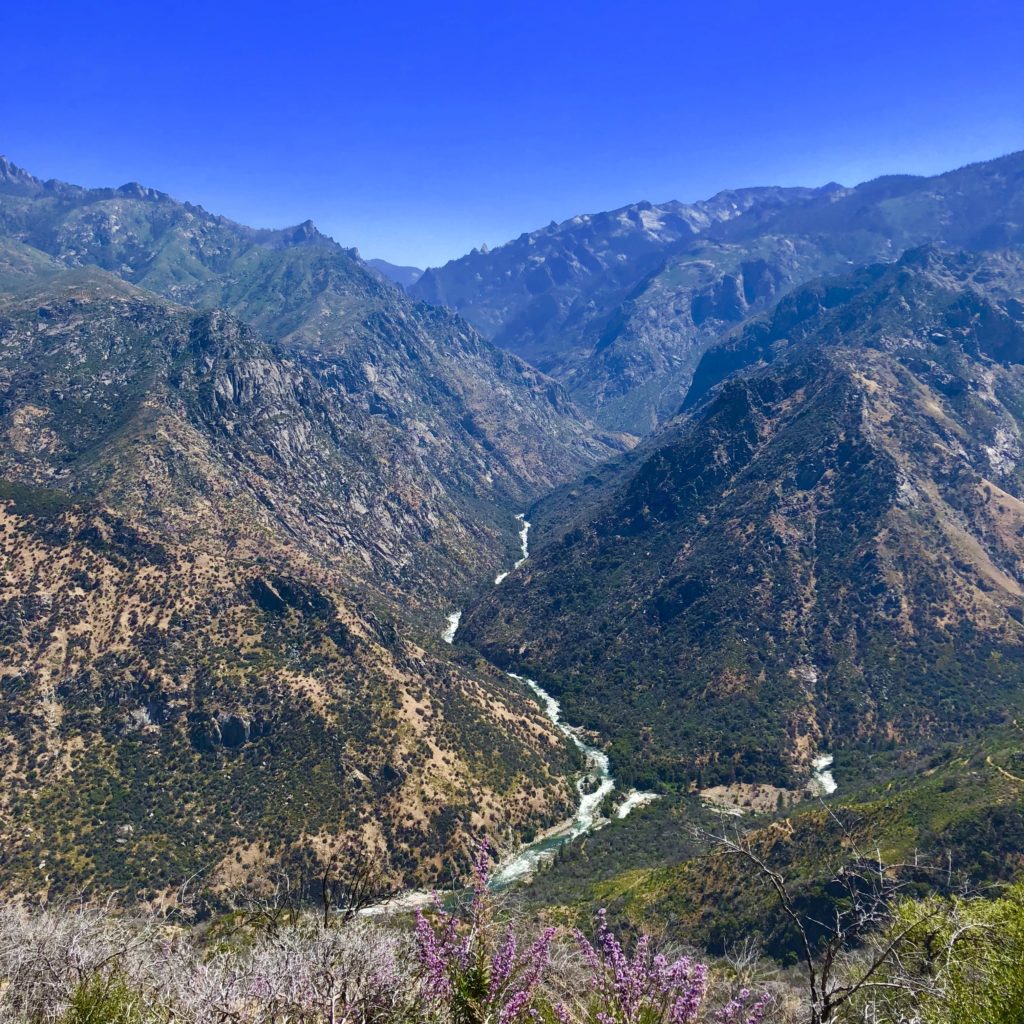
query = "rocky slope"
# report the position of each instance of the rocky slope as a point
(242, 477)
(620, 306)
(193, 675)
(555, 296)
(825, 553)
(423, 396)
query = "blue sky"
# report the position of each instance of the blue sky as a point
(419, 130)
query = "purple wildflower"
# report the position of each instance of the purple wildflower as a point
(473, 972)
(641, 987)
(514, 1007)
(691, 983)
(431, 953)
(502, 963)
(732, 1011)
(481, 869)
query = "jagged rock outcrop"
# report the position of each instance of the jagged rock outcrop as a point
(420, 398)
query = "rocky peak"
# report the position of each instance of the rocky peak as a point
(305, 232)
(133, 190)
(15, 179)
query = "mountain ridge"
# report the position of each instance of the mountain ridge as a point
(626, 345)
(243, 478)
(403, 276)
(781, 570)
(415, 376)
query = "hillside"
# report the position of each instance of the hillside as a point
(191, 678)
(958, 813)
(243, 479)
(824, 554)
(420, 390)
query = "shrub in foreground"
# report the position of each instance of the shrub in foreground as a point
(468, 965)
(474, 972)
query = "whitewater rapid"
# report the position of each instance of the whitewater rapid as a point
(524, 546)
(594, 785)
(823, 782)
(448, 636)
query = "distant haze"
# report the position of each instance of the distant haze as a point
(405, 276)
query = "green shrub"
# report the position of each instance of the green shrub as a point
(104, 999)
(970, 959)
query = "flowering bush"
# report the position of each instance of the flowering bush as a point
(88, 965)
(93, 965)
(472, 972)
(644, 988)
(743, 1010)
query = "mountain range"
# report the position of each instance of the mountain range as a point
(241, 475)
(451, 434)
(770, 445)
(404, 276)
(824, 553)
(620, 306)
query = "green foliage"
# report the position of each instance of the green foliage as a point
(959, 809)
(104, 999)
(34, 501)
(967, 958)
(800, 561)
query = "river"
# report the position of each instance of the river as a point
(524, 546)
(448, 636)
(593, 786)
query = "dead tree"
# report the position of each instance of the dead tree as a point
(352, 878)
(344, 881)
(277, 904)
(849, 953)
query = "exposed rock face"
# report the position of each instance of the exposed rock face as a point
(419, 400)
(844, 495)
(208, 732)
(526, 292)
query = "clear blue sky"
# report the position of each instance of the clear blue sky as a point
(419, 130)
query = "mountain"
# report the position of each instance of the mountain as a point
(824, 553)
(552, 296)
(620, 306)
(242, 480)
(403, 276)
(191, 677)
(425, 397)
(517, 293)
